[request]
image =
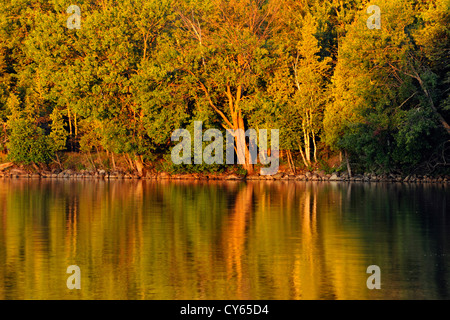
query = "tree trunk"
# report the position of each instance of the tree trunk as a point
(98, 157)
(290, 161)
(416, 76)
(58, 161)
(70, 129)
(5, 166)
(70, 121)
(90, 160)
(349, 169)
(440, 117)
(75, 125)
(113, 161)
(307, 153)
(129, 161)
(315, 146)
(242, 151)
(139, 165)
(303, 155)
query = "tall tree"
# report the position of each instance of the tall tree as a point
(310, 72)
(383, 109)
(223, 49)
(299, 81)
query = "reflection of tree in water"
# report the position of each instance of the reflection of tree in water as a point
(406, 227)
(234, 235)
(207, 240)
(298, 223)
(71, 211)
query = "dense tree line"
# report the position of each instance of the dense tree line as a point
(137, 70)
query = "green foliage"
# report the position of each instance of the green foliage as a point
(384, 97)
(138, 70)
(58, 134)
(324, 166)
(168, 166)
(387, 143)
(241, 171)
(91, 135)
(416, 137)
(28, 143)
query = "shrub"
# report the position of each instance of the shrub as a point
(28, 143)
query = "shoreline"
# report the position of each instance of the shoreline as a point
(15, 173)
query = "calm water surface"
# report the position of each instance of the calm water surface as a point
(224, 240)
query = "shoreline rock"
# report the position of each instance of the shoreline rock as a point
(12, 172)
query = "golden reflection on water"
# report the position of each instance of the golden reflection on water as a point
(222, 240)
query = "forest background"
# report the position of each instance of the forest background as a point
(110, 93)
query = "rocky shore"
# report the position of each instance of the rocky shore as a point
(16, 173)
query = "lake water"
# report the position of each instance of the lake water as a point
(223, 240)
